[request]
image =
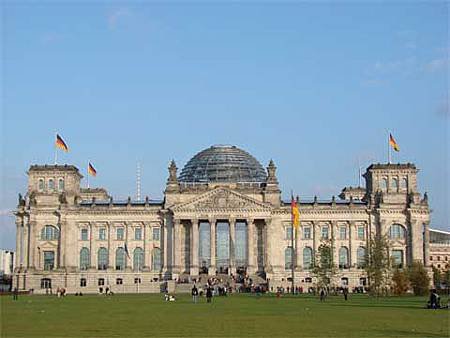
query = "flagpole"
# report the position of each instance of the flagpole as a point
(56, 151)
(292, 245)
(87, 176)
(389, 148)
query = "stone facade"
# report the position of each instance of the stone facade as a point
(83, 239)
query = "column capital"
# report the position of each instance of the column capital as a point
(268, 221)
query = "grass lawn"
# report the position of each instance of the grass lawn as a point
(233, 316)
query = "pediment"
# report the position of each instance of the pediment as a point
(224, 200)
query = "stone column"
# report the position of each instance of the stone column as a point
(194, 247)
(25, 243)
(267, 245)
(334, 234)
(109, 229)
(19, 229)
(31, 244)
(316, 239)
(298, 249)
(232, 225)
(91, 261)
(212, 265)
(177, 246)
(251, 257)
(145, 227)
(127, 265)
(352, 234)
(426, 244)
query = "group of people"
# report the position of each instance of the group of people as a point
(60, 292)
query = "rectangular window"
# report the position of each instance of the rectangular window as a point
(307, 233)
(288, 234)
(343, 232)
(102, 234)
(138, 234)
(84, 234)
(361, 232)
(49, 260)
(397, 257)
(137, 281)
(156, 234)
(120, 233)
(119, 281)
(83, 282)
(101, 281)
(325, 232)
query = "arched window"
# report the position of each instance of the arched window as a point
(51, 184)
(396, 231)
(288, 253)
(41, 184)
(61, 184)
(384, 184)
(395, 184)
(404, 183)
(102, 258)
(156, 259)
(49, 233)
(120, 259)
(138, 259)
(84, 259)
(361, 257)
(307, 258)
(343, 258)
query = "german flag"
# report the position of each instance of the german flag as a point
(91, 170)
(393, 144)
(295, 213)
(61, 144)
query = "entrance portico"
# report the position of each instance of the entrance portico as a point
(219, 245)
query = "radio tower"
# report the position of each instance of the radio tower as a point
(138, 182)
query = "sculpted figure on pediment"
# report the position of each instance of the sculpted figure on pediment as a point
(222, 199)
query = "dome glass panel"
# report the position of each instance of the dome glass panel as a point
(223, 163)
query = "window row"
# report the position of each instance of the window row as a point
(120, 259)
(308, 258)
(306, 231)
(396, 184)
(50, 186)
(120, 234)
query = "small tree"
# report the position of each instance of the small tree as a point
(378, 265)
(401, 282)
(436, 277)
(324, 267)
(418, 277)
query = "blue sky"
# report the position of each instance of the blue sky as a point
(315, 87)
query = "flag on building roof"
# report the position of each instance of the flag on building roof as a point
(393, 144)
(91, 170)
(61, 144)
(295, 213)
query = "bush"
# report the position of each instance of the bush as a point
(418, 277)
(401, 282)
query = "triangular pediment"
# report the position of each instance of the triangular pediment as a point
(222, 199)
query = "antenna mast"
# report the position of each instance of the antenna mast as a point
(138, 182)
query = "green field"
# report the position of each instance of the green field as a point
(232, 316)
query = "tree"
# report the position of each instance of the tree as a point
(436, 277)
(418, 277)
(401, 282)
(324, 267)
(378, 265)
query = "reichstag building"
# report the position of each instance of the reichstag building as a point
(222, 214)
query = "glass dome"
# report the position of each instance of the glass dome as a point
(223, 163)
